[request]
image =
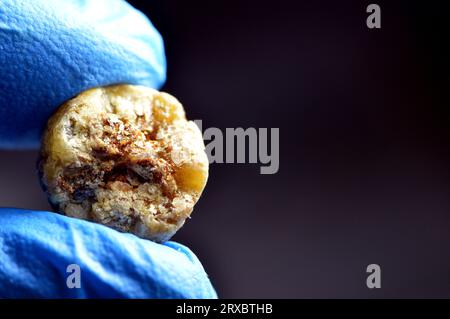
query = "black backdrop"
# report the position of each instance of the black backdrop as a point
(364, 144)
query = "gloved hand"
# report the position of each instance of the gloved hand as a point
(49, 52)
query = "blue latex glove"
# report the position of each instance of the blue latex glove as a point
(37, 247)
(49, 52)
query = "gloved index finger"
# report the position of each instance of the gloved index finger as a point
(52, 50)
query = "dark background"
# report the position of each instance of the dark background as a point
(364, 124)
